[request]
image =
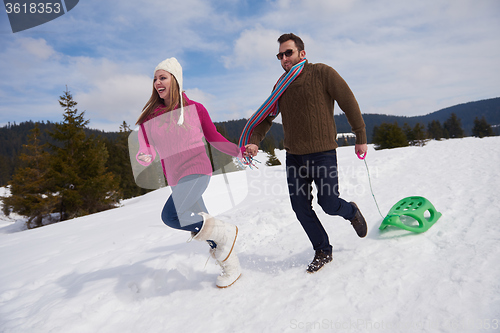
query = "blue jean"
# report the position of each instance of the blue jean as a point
(182, 207)
(320, 168)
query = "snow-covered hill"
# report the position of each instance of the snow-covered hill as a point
(123, 270)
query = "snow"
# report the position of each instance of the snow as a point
(123, 270)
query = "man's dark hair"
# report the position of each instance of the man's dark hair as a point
(298, 42)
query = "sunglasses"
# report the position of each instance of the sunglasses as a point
(288, 53)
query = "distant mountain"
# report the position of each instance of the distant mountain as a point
(467, 112)
(13, 136)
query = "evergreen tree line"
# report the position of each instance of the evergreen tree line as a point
(390, 135)
(14, 136)
(70, 173)
(65, 170)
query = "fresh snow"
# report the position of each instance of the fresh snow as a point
(123, 270)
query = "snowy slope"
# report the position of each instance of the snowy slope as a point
(124, 271)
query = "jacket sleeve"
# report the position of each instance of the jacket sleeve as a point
(145, 146)
(260, 131)
(214, 137)
(340, 91)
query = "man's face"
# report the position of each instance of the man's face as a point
(287, 62)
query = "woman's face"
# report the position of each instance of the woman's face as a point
(161, 83)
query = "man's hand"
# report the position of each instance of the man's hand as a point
(251, 150)
(361, 149)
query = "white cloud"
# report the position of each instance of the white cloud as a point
(37, 48)
(253, 48)
(105, 90)
(200, 96)
(115, 99)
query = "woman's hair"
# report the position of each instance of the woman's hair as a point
(155, 101)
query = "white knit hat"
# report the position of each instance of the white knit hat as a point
(172, 66)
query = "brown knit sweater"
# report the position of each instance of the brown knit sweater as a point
(306, 109)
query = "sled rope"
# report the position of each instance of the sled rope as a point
(370, 182)
(270, 106)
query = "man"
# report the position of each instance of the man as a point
(306, 106)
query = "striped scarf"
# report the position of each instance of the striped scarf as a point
(270, 106)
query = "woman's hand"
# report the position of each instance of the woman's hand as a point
(251, 150)
(145, 158)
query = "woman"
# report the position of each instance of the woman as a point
(174, 127)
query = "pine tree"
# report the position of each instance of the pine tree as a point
(435, 130)
(408, 131)
(6, 166)
(482, 128)
(30, 195)
(79, 166)
(416, 135)
(453, 127)
(389, 136)
(119, 163)
(272, 159)
(419, 134)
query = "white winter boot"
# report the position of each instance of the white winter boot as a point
(231, 271)
(224, 236)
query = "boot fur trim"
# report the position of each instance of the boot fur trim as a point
(206, 229)
(208, 232)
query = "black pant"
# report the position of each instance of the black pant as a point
(320, 168)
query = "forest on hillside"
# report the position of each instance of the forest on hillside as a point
(13, 137)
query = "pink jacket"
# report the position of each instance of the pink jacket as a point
(181, 148)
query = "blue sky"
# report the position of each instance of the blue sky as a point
(399, 57)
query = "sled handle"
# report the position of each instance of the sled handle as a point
(361, 157)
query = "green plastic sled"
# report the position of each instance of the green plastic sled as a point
(414, 207)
